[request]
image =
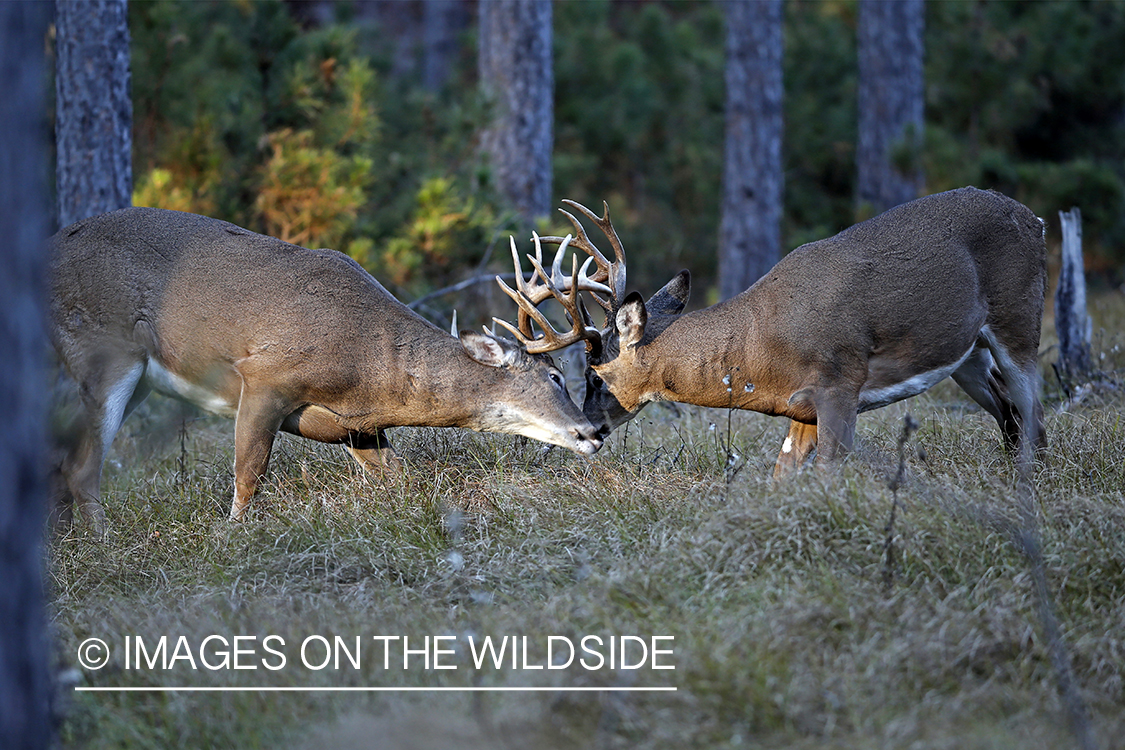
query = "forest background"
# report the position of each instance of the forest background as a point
(244, 109)
(793, 624)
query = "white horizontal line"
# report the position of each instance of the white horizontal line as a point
(190, 689)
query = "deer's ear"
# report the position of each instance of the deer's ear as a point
(489, 350)
(631, 320)
(672, 297)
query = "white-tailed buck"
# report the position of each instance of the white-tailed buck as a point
(947, 285)
(280, 338)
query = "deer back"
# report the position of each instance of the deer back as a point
(883, 303)
(216, 306)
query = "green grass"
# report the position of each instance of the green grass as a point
(786, 634)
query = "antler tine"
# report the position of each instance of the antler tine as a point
(528, 287)
(583, 242)
(617, 268)
(534, 292)
(527, 308)
(588, 283)
(580, 280)
(555, 278)
(602, 274)
(527, 299)
(613, 273)
(585, 281)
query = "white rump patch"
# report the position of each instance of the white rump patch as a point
(787, 446)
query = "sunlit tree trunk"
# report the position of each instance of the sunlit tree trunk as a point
(94, 120)
(24, 685)
(518, 83)
(891, 103)
(750, 226)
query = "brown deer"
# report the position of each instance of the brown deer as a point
(280, 338)
(947, 285)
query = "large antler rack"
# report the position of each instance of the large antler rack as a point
(610, 274)
(530, 293)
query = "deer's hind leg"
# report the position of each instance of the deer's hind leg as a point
(979, 377)
(1019, 373)
(110, 388)
(836, 412)
(1006, 383)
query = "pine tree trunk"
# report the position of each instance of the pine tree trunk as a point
(518, 83)
(750, 227)
(891, 103)
(24, 684)
(442, 21)
(94, 112)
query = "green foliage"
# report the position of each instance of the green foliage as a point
(638, 122)
(199, 83)
(1027, 98)
(309, 195)
(310, 134)
(446, 229)
(278, 134)
(820, 119)
(243, 115)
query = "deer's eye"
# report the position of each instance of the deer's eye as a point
(595, 380)
(557, 379)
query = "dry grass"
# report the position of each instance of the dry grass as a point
(785, 632)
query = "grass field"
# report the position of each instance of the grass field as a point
(790, 627)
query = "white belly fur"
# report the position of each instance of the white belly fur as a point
(874, 398)
(164, 382)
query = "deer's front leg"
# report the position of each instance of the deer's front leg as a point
(836, 412)
(255, 426)
(374, 453)
(798, 446)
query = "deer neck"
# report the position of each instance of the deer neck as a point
(421, 376)
(679, 360)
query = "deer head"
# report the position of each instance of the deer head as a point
(611, 357)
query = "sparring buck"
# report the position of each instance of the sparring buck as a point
(280, 338)
(947, 285)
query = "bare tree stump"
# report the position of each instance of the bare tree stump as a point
(1071, 321)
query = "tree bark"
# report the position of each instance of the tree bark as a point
(1072, 324)
(750, 226)
(891, 103)
(442, 21)
(24, 683)
(518, 82)
(94, 120)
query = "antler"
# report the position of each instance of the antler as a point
(613, 273)
(528, 294)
